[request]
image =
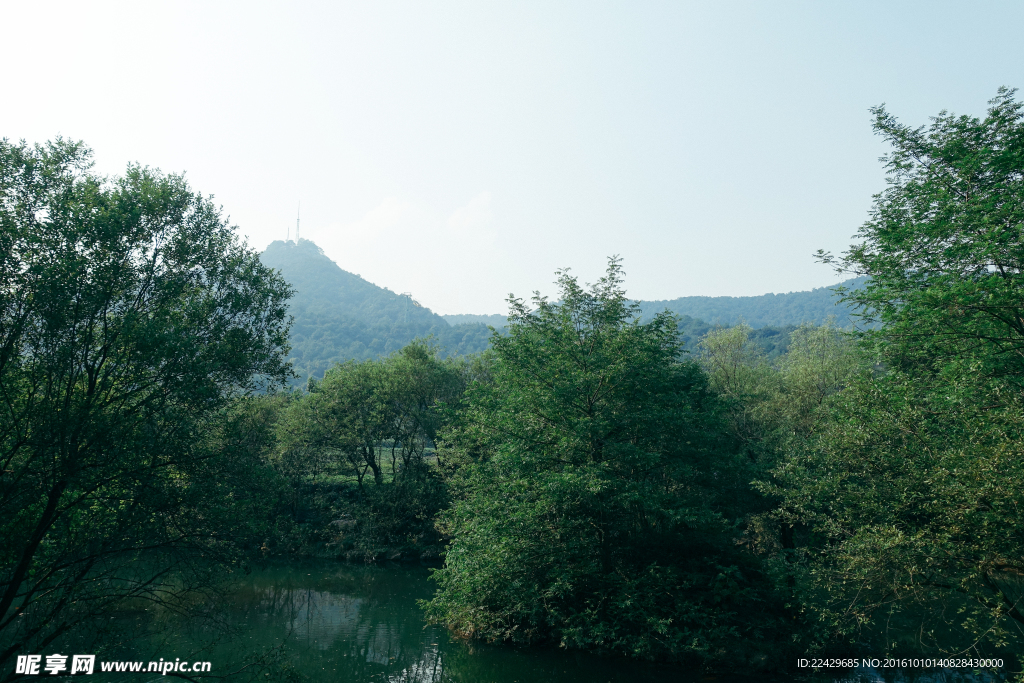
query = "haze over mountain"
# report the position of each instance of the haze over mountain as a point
(339, 316)
(766, 310)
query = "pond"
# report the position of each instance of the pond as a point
(335, 622)
(342, 622)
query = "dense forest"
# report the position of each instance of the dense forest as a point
(592, 477)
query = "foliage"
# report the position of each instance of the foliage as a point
(771, 409)
(249, 484)
(741, 375)
(771, 402)
(129, 316)
(379, 418)
(912, 497)
(943, 245)
(909, 489)
(594, 491)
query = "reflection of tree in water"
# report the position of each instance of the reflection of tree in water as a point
(362, 624)
(427, 670)
(359, 623)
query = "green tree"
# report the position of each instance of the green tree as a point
(911, 496)
(770, 404)
(130, 315)
(592, 486)
(772, 408)
(254, 493)
(910, 489)
(740, 374)
(943, 246)
(366, 416)
(822, 361)
(381, 418)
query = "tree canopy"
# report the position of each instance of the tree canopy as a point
(943, 245)
(911, 487)
(593, 502)
(129, 315)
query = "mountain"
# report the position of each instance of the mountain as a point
(339, 316)
(767, 310)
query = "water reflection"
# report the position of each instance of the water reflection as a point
(330, 622)
(359, 622)
(350, 623)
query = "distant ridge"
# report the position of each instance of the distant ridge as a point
(339, 316)
(767, 310)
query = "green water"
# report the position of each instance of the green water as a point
(337, 622)
(321, 622)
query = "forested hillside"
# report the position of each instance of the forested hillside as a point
(339, 316)
(767, 310)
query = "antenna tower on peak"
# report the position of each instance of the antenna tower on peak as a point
(297, 213)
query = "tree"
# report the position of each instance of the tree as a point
(910, 488)
(769, 404)
(912, 499)
(772, 408)
(130, 315)
(363, 415)
(381, 418)
(943, 247)
(592, 484)
(740, 374)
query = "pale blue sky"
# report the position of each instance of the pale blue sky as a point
(462, 151)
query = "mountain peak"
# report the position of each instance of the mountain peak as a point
(339, 316)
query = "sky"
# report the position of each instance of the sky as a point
(465, 151)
